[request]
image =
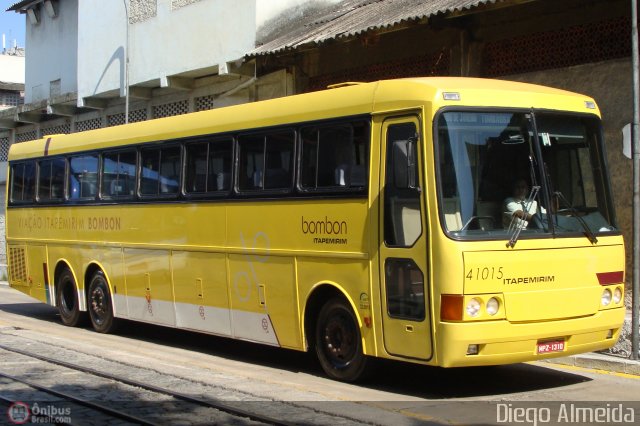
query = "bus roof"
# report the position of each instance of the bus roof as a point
(347, 100)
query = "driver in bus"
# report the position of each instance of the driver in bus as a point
(517, 208)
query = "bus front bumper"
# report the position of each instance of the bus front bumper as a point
(502, 342)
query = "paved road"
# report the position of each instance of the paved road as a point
(398, 394)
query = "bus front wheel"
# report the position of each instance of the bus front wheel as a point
(100, 307)
(338, 342)
(67, 299)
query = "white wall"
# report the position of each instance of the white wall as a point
(166, 37)
(12, 69)
(52, 52)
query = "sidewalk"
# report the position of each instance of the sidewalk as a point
(598, 361)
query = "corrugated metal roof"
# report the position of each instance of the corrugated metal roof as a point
(352, 17)
(22, 4)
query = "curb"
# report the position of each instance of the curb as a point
(598, 361)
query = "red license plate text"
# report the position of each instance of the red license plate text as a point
(551, 346)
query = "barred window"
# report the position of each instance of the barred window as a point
(10, 99)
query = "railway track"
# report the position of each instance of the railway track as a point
(55, 413)
(82, 388)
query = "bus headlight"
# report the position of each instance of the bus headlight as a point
(493, 306)
(617, 295)
(473, 307)
(606, 297)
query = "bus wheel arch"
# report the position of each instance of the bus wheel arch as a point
(99, 300)
(333, 332)
(67, 295)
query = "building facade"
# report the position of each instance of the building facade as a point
(12, 64)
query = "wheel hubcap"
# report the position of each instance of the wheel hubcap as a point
(339, 339)
(98, 307)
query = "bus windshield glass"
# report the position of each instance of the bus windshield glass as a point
(518, 173)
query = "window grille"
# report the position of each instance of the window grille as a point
(575, 45)
(57, 130)
(168, 110)
(4, 148)
(91, 124)
(10, 99)
(26, 136)
(141, 10)
(137, 115)
(134, 117)
(205, 103)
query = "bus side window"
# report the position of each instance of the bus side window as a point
(251, 162)
(279, 161)
(208, 166)
(266, 162)
(23, 182)
(402, 213)
(334, 157)
(51, 180)
(220, 158)
(150, 160)
(170, 165)
(405, 289)
(83, 177)
(196, 159)
(119, 174)
(160, 171)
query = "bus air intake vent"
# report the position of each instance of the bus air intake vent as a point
(18, 265)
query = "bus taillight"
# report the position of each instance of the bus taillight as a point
(606, 278)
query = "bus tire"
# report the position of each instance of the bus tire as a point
(99, 304)
(338, 342)
(67, 299)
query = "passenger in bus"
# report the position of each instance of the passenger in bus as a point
(517, 207)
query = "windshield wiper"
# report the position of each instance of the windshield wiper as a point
(590, 235)
(516, 226)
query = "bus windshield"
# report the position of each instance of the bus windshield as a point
(506, 174)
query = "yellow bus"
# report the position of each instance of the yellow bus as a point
(439, 221)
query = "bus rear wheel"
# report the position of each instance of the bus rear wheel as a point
(338, 342)
(100, 306)
(67, 299)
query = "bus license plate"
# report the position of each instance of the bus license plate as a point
(550, 346)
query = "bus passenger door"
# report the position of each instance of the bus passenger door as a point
(403, 245)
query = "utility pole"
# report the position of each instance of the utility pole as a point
(126, 67)
(635, 323)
